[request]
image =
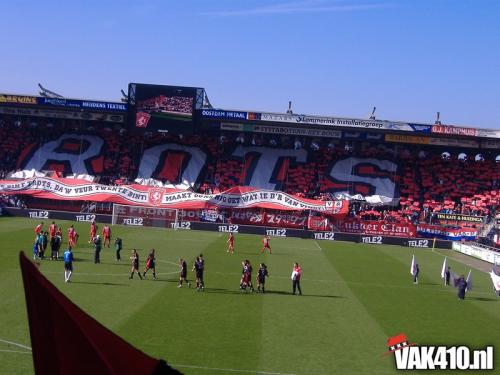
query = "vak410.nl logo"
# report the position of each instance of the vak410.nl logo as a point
(410, 356)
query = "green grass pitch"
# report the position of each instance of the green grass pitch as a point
(355, 297)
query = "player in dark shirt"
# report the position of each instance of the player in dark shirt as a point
(150, 264)
(55, 245)
(246, 277)
(183, 274)
(118, 248)
(249, 271)
(261, 278)
(135, 264)
(199, 268)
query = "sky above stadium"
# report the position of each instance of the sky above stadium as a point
(329, 57)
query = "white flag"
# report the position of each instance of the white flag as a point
(469, 281)
(413, 267)
(496, 280)
(445, 267)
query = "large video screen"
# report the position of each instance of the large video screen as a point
(157, 107)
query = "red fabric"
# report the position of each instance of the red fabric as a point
(172, 166)
(282, 173)
(24, 153)
(98, 165)
(249, 160)
(65, 340)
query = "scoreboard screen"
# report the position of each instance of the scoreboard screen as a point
(158, 107)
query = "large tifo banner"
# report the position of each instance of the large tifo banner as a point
(184, 166)
(139, 195)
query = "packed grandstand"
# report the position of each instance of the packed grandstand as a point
(384, 178)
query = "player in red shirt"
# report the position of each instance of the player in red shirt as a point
(71, 236)
(230, 242)
(39, 228)
(106, 233)
(265, 242)
(52, 229)
(93, 231)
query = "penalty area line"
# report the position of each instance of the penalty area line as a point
(231, 370)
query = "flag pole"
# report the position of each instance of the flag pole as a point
(433, 243)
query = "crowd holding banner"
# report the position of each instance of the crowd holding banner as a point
(140, 195)
(259, 207)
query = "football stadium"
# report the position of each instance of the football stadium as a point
(168, 233)
(352, 204)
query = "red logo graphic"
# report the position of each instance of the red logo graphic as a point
(397, 342)
(155, 196)
(142, 119)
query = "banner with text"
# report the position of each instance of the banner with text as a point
(17, 99)
(237, 197)
(281, 130)
(381, 228)
(461, 218)
(335, 121)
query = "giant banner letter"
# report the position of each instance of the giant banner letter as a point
(365, 176)
(265, 164)
(181, 165)
(73, 152)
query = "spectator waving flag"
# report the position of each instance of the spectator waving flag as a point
(496, 281)
(444, 268)
(469, 281)
(413, 267)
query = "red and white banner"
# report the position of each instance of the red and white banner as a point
(379, 228)
(319, 223)
(352, 225)
(139, 195)
(272, 219)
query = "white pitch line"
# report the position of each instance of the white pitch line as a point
(14, 351)
(231, 370)
(16, 344)
(317, 244)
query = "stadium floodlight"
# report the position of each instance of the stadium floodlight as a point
(438, 121)
(49, 94)
(206, 102)
(289, 110)
(372, 116)
(124, 98)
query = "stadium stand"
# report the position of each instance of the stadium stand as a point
(427, 184)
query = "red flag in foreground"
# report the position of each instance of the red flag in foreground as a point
(65, 340)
